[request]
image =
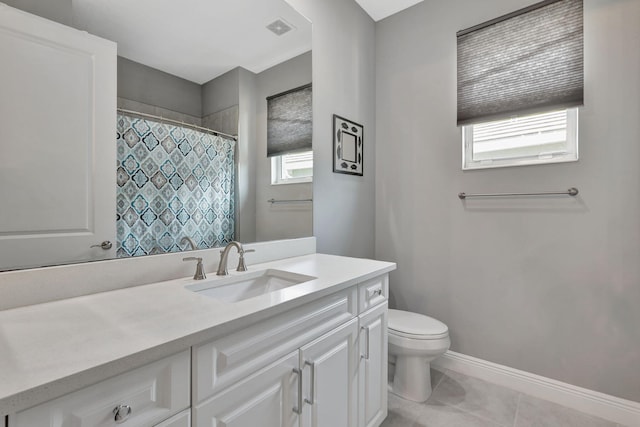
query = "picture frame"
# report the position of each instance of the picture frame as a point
(348, 146)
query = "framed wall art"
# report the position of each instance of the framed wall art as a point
(348, 145)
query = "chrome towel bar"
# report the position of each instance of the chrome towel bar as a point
(573, 191)
(272, 201)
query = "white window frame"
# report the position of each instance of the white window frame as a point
(276, 174)
(571, 155)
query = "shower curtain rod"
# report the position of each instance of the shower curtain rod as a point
(176, 122)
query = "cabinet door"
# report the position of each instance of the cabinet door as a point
(230, 358)
(330, 386)
(372, 370)
(183, 419)
(57, 142)
(267, 398)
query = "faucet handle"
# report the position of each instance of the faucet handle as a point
(199, 275)
(241, 264)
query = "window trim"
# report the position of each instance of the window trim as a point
(571, 156)
(276, 169)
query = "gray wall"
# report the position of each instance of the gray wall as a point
(286, 220)
(258, 221)
(247, 155)
(546, 285)
(138, 82)
(55, 10)
(343, 84)
(221, 92)
(220, 99)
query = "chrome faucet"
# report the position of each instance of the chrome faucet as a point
(224, 254)
(199, 268)
(190, 241)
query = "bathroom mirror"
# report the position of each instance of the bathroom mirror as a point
(211, 65)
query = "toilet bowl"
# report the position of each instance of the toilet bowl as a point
(414, 341)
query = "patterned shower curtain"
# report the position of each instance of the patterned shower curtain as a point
(172, 182)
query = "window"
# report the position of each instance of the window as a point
(520, 79)
(289, 134)
(292, 168)
(525, 140)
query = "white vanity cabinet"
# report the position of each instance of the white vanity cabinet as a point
(373, 295)
(330, 371)
(323, 364)
(320, 364)
(313, 386)
(143, 397)
(183, 419)
(263, 399)
(372, 371)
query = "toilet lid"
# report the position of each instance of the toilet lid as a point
(407, 323)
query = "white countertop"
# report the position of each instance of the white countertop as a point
(50, 349)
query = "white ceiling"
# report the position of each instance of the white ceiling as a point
(197, 40)
(380, 9)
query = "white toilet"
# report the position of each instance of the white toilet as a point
(414, 341)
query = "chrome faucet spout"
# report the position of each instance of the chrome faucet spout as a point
(224, 255)
(189, 240)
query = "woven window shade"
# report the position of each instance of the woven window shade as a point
(289, 122)
(525, 62)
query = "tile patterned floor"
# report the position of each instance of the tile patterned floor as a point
(462, 401)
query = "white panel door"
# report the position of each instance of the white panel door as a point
(57, 142)
(330, 386)
(267, 398)
(372, 372)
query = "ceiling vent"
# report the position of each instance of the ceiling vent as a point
(280, 27)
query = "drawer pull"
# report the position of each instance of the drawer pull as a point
(122, 413)
(374, 292)
(298, 409)
(367, 334)
(312, 398)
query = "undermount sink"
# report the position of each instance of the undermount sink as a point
(247, 285)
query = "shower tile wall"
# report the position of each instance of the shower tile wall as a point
(141, 107)
(225, 121)
(172, 182)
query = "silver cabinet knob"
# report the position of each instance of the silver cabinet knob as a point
(122, 413)
(106, 245)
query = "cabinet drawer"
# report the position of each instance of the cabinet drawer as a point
(154, 393)
(183, 419)
(373, 292)
(224, 361)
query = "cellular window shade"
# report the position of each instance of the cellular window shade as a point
(289, 122)
(525, 62)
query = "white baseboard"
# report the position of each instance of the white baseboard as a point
(621, 411)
